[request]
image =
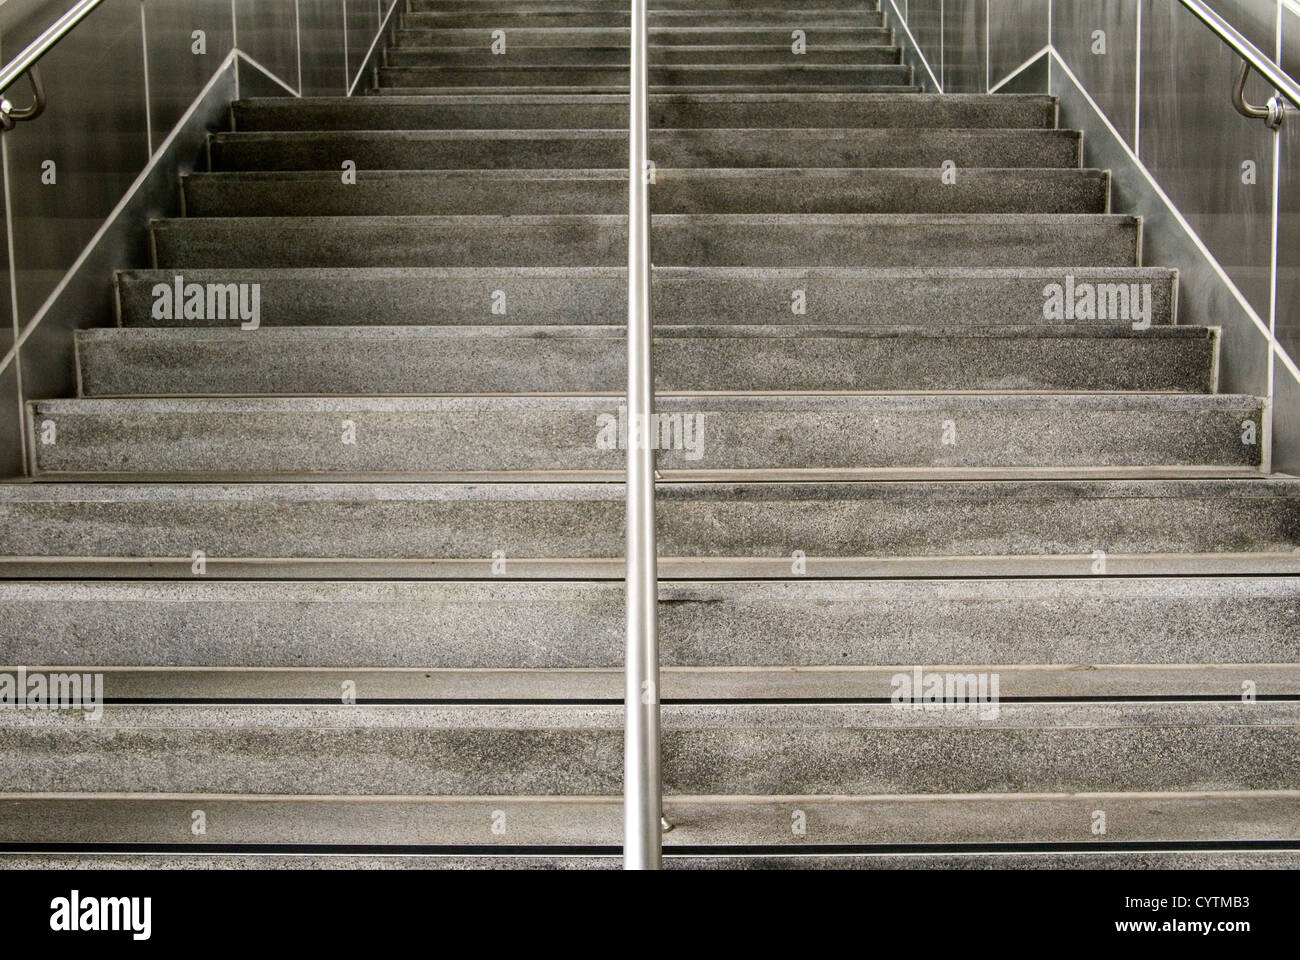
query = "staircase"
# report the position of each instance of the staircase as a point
(885, 452)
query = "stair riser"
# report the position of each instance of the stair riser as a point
(661, 76)
(678, 192)
(817, 33)
(787, 20)
(389, 298)
(489, 8)
(696, 822)
(569, 625)
(1282, 859)
(267, 443)
(120, 365)
(616, 89)
(840, 751)
(666, 111)
(780, 241)
(523, 56)
(608, 150)
(796, 684)
(882, 520)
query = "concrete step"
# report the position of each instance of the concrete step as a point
(817, 33)
(660, 75)
(412, 640)
(536, 438)
(1246, 816)
(493, 7)
(829, 683)
(835, 682)
(1096, 859)
(774, 15)
(452, 360)
(705, 240)
(682, 295)
(533, 192)
(677, 111)
(578, 56)
(514, 91)
(762, 751)
(607, 149)
(706, 530)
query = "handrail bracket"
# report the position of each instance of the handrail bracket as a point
(1271, 113)
(10, 115)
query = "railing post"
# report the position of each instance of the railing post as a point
(642, 802)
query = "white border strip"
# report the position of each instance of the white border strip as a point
(148, 100)
(917, 47)
(345, 46)
(988, 44)
(379, 34)
(1042, 52)
(13, 306)
(1137, 86)
(269, 73)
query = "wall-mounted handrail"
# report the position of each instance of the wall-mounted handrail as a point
(26, 61)
(642, 793)
(1254, 59)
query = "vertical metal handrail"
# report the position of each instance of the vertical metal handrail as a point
(642, 801)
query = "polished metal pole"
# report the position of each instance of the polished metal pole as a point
(642, 803)
(33, 52)
(1275, 75)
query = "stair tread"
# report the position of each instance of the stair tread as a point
(677, 401)
(1097, 330)
(1100, 539)
(1229, 626)
(708, 749)
(1208, 859)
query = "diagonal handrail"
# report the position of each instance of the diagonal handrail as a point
(1253, 59)
(27, 60)
(642, 793)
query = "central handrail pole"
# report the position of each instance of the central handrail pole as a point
(642, 801)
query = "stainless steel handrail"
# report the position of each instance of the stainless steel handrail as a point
(1254, 59)
(642, 794)
(26, 61)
